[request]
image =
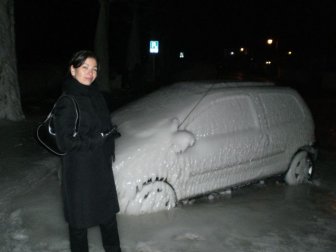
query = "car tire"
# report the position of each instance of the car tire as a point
(300, 169)
(153, 197)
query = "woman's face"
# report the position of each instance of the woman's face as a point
(86, 73)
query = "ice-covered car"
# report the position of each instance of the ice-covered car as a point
(191, 139)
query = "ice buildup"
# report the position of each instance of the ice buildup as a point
(190, 139)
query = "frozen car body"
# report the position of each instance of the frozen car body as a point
(194, 138)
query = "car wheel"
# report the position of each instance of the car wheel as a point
(300, 169)
(152, 197)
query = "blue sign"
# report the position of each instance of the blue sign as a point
(154, 46)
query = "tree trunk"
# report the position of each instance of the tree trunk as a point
(101, 45)
(133, 59)
(10, 101)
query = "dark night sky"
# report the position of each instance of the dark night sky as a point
(51, 30)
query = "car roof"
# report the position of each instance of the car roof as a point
(176, 102)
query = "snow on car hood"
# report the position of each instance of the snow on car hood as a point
(145, 151)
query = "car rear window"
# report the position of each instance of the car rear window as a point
(281, 108)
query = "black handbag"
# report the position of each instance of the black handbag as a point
(45, 131)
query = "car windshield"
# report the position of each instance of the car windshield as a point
(173, 102)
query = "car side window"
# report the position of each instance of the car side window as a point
(281, 108)
(223, 115)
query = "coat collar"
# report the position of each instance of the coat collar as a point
(72, 86)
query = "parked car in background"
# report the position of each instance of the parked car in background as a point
(191, 139)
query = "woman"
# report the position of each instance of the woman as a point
(88, 188)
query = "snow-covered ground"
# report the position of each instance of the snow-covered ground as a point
(269, 216)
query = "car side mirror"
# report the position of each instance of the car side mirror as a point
(182, 140)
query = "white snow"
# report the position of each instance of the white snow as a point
(202, 137)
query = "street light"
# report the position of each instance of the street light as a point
(273, 52)
(269, 41)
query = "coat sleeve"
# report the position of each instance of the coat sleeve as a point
(64, 122)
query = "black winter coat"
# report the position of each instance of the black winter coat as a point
(88, 187)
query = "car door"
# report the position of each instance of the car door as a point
(227, 132)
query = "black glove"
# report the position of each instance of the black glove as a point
(91, 142)
(113, 132)
(109, 146)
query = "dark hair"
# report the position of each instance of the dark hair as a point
(79, 57)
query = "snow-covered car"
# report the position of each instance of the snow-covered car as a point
(192, 139)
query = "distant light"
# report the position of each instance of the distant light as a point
(242, 49)
(289, 52)
(269, 41)
(232, 53)
(181, 56)
(154, 46)
(268, 62)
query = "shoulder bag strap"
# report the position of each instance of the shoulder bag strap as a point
(77, 120)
